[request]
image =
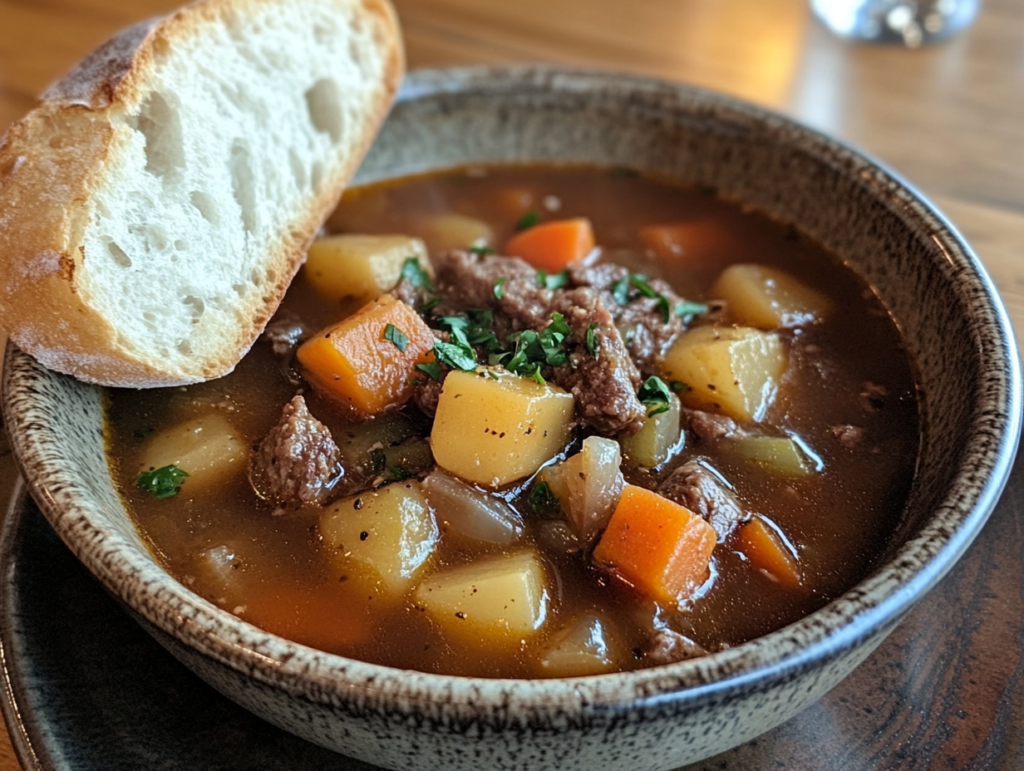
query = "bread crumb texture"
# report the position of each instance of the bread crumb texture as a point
(156, 205)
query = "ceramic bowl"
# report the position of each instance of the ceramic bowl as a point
(956, 333)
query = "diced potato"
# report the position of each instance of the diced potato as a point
(768, 298)
(453, 231)
(360, 266)
(367, 361)
(494, 431)
(658, 440)
(472, 512)
(389, 534)
(778, 454)
(588, 485)
(208, 449)
(732, 370)
(496, 602)
(581, 648)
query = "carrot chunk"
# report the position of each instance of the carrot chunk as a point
(767, 552)
(551, 246)
(673, 241)
(368, 360)
(658, 546)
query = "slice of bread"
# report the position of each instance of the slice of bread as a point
(157, 203)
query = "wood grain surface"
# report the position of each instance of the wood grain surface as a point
(945, 691)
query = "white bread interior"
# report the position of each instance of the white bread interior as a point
(158, 202)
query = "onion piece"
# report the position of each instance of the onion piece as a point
(588, 485)
(471, 512)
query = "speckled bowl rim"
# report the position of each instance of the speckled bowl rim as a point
(872, 605)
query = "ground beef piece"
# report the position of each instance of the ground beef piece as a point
(426, 394)
(641, 322)
(413, 296)
(284, 335)
(709, 426)
(604, 385)
(298, 461)
(668, 647)
(699, 489)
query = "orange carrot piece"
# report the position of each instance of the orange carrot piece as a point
(658, 546)
(766, 551)
(685, 240)
(356, 363)
(551, 246)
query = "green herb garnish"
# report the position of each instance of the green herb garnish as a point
(687, 308)
(656, 395)
(482, 250)
(593, 343)
(164, 482)
(620, 290)
(455, 356)
(432, 369)
(413, 272)
(678, 386)
(557, 281)
(378, 461)
(396, 336)
(640, 282)
(542, 499)
(499, 287)
(397, 473)
(528, 220)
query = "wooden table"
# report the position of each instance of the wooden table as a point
(946, 690)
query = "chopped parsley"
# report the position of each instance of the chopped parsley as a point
(164, 482)
(432, 369)
(656, 395)
(640, 282)
(397, 473)
(556, 281)
(542, 499)
(413, 272)
(499, 287)
(396, 336)
(378, 461)
(455, 356)
(687, 308)
(528, 220)
(593, 343)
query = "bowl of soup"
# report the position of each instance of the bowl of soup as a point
(610, 422)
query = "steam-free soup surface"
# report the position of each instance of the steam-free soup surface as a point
(845, 402)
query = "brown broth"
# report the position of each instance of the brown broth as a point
(839, 519)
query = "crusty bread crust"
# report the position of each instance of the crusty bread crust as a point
(55, 159)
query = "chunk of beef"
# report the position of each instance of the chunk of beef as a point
(426, 394)
(412, 295)
(668, 647)
(298, 461)
(604, 384)
(641, 320)
(284, 335)
(709, 426)
(702, 491)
